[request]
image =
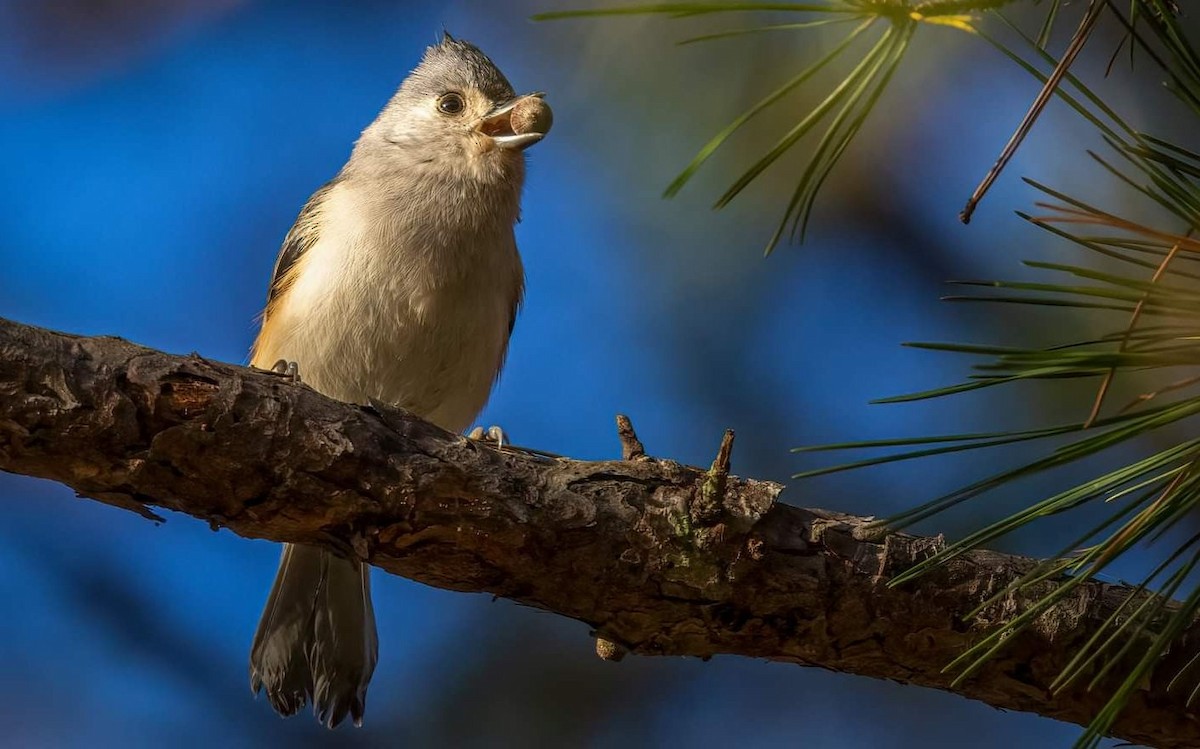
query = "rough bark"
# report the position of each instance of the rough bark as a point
(659, 558)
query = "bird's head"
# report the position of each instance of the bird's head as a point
(457, 115)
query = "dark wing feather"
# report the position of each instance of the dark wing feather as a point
(518, 282)
(512, 316)
(299, 239)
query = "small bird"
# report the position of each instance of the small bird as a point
(399, 282)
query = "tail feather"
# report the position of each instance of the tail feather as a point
(344, 646)
(277, 657)
(316, 640)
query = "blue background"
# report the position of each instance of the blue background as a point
(153, 155)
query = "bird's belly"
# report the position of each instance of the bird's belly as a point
(435, 352)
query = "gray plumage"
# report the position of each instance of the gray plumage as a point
(398, 282)
(316, 639)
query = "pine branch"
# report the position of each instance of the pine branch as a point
(659, 558)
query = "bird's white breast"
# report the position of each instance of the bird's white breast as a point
(386, 305)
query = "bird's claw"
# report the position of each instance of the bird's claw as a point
(493, 433)
(288, 369)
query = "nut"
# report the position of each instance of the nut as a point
(531, 115)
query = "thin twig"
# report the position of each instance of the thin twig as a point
(1035, 110)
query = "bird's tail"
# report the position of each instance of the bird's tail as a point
(316, 640)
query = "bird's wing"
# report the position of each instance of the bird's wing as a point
(518, 286)
(516, 307)
(302, 236)
(299, 240)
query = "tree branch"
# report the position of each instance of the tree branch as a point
(659, 558)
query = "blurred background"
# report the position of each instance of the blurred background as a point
(152, 157)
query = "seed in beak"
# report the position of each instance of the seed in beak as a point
(517, 124)
(531, 115)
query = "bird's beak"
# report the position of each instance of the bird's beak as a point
(517, 124)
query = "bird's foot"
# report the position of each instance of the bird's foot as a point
(288, 369)
(492, 433)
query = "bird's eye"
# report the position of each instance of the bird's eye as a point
(451, 103)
